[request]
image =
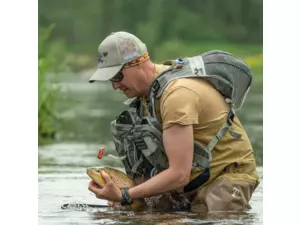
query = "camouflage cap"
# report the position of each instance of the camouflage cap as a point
(114, 51)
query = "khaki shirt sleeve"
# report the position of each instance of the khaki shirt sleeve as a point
(180, 106)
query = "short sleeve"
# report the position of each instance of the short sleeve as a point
(180, 105)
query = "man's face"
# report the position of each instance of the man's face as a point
(131, 84)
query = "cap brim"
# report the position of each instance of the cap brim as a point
(104, 74)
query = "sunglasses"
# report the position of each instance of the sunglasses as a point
(118, 77)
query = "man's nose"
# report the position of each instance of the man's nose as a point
(115, 85)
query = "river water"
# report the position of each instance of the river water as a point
(84, 112)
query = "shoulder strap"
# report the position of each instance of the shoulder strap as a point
(176, 71)
(222, 131)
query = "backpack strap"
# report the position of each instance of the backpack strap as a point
(225, 127)
(223, 130)
(167, 76)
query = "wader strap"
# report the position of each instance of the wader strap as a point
(198, 181)
(218, 136)
(222, 131)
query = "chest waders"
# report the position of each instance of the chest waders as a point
(138, 138)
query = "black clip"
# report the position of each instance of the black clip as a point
(155, 86)
(230, 117)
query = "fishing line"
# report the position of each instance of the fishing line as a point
(81, 205)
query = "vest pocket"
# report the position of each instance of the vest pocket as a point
(154, 150)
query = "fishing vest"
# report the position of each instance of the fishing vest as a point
(138, 138)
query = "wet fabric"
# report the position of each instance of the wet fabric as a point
(230, 191)
(227, 192)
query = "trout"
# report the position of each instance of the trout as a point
(120, 179)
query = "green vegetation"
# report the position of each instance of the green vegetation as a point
(49, 57)
(169, 27)
(84, 23)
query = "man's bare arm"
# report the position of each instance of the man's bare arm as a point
(178, 144)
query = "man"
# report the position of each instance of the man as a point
(188, 111)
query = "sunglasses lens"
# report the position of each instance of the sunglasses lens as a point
(118, 77)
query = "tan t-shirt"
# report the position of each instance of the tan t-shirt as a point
(194, 101)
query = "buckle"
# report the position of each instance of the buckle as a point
(155, 86)
(230, 118)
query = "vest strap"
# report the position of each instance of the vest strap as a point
(136, 165)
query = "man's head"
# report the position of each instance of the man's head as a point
(124, 60)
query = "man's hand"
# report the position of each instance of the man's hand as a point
(108, 191)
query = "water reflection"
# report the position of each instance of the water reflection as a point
(64, 181)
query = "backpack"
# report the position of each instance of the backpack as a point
(228, 74)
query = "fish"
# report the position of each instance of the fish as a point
(121, 180)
